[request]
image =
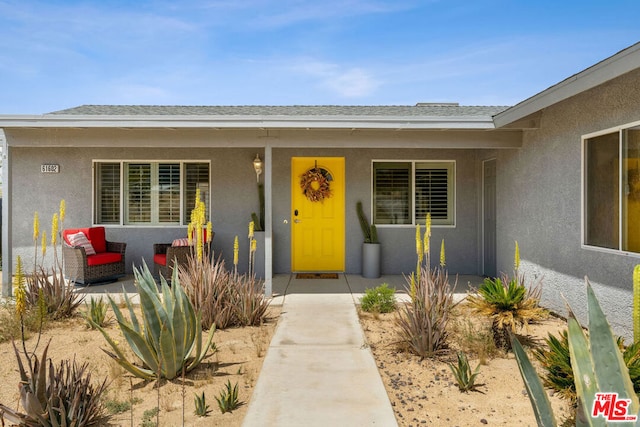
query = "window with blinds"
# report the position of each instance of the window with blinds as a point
(404, 192)
(153, 193)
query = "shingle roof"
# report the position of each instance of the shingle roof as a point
(419, 110)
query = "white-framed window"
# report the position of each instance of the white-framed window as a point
(148, 192)
(611, 189)
(405, 191)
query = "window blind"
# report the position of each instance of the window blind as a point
(432, 194)
(169, 192)
(139, 193)
(108, 193)
(392, 183)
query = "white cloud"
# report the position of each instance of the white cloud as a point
(348, 82)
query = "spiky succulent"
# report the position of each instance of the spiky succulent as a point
(168, 337)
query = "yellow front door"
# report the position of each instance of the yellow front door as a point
(317, 214)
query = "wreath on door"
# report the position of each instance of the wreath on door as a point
(315, 184)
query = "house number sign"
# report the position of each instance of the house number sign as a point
(50, 168)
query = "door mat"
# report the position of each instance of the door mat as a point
(316, 275)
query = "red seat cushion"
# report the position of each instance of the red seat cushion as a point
(104, 258)
(160, 259)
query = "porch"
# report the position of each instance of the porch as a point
(287, 284)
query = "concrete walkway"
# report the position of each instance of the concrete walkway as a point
(318, 370)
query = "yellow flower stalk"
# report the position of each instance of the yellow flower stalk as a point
(251, 228)
(63, 210)
(54, 229)
(209, 231)
(443, 261)
(44, 244)
(36, 227)
(254, 245)
(20, 291)
(427, 235)
(516, 258)
(236, 251)
(190, 232)
(199, 243)
(419, 249)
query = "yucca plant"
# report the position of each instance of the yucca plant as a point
(96, 313)
(598, 367)
(509, 304)
(202, 409)
(464, 376)
(56, 396)
(168, 338)
(423, 322)
(228, 399)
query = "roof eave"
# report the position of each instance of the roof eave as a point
(621, 63)
(245, 122)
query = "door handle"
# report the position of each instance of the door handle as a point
(296, 220)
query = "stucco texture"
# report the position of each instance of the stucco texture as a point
(539, 204)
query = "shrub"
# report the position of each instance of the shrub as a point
(381, 299)
(423, 322)
(224, 298)
(170, 338)
(509, 305)
(60, 301)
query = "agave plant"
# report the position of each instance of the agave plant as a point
(56, 396)
(509, 305)
(168, 338)
(598, 366)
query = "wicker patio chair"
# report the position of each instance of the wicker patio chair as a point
(106, 264)
(168, 255)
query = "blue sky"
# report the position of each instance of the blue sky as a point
(58, 54)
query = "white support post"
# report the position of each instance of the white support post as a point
(268, 223)
(7, 256)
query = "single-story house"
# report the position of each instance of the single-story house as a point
(558, 172)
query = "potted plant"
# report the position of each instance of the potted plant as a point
(370, 246)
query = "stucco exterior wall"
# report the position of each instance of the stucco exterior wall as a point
(234, 196)
(539, 204)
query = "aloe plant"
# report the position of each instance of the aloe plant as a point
(598, 367)
(62, 395)
(464, 376)
(168, 338)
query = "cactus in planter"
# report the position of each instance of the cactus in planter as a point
(369, 230)
(598, 367)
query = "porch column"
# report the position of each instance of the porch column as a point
(6, 220)
(268, 223)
